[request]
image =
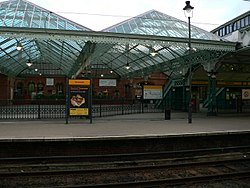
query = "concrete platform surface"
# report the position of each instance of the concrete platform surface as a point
(135, 125)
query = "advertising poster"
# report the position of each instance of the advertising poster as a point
(245, 94)
(79, 92)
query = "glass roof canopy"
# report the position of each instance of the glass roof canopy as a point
(57, 46)
(48, 57)
(153, 23)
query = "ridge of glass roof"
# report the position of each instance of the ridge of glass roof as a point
(22, 13)
(159, 24)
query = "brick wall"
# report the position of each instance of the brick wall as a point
(6, 87)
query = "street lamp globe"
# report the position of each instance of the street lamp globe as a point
(188, 10)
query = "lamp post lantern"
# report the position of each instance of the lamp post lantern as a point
(188, 11)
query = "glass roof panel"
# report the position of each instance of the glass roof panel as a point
(160, 24)
(21, 13)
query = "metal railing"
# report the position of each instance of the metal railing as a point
(56, 109)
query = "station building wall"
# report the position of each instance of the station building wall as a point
(28, 87)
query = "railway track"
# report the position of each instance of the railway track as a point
(149, 170)
(125, 156)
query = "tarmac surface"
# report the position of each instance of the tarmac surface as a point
(135, 125)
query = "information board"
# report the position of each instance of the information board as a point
(152, 92)
(107, 82)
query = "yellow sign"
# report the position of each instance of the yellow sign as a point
(200, 82)
(229, 83)
(152, 87)
(79, 111)
(79, 82)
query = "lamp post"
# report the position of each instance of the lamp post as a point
(188, 11)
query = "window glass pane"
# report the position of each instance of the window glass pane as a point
(246, 21)
(234, 26)
(222, 31)
(127, 28)
(238, 24)
(242, 22)
(40, 87)
(227, 29)
(19, 89)
(230, 27)
(31, 88)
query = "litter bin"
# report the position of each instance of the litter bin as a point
(167, 114)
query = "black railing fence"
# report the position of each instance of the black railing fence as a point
(56, 109)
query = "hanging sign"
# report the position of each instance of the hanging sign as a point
(107, 82)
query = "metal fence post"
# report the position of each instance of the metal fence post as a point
(39, 111)
(142, 105)
(100, 110)
(123, 106)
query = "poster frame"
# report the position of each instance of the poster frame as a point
(147, 89)
(79, 98)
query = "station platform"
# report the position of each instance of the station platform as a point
(134, 125)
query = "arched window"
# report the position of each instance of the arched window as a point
(19, 89)
(40, 87)
(127, 88)
(31, 88)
